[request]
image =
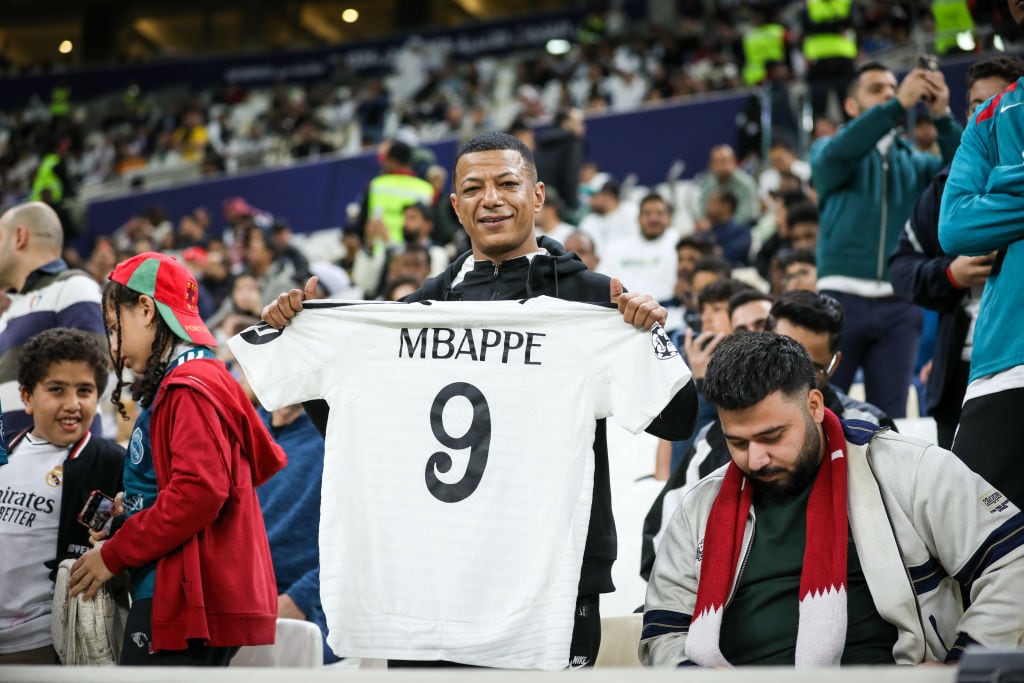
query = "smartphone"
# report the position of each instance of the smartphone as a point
(692, 320)
(927, 61)
(98, 510)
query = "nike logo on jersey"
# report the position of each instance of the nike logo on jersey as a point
(1009, 106)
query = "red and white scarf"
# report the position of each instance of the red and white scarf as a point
(821, 633)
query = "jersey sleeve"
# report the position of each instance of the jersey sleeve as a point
(642, 369)
(299, 363)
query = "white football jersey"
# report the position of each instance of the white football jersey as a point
(458, 472)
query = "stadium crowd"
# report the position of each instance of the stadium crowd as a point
(825, 265)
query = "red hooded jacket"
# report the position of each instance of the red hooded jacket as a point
(214, 576)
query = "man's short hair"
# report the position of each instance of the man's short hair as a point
(728, 197)
(791, 198)
(783, 143)
(400, 152)
(851, 86)
(1004, 66)
(703, 245)
(561, 116)
(426, 211)
(655, 197)
(788, 257)
(495, 140)
(62, 344)
(747, 368)
(519, 125)
(814, 311)
(719, 291)
(802, 212)
(745, 296)
(713, 264)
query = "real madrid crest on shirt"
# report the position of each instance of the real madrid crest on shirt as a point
(663, 346)
(55, 477)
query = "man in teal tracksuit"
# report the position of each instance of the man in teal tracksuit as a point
(868, 178)
(983, 213)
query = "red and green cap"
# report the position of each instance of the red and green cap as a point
(173, 289)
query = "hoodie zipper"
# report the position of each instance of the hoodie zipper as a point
(495, 281)
(743, 564)
(885, 217)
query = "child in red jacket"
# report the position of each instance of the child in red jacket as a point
(193, 539)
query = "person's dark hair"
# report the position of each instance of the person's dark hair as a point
(712, 264)
(418, 249)
(554, 200)
(1004, 66)
(788, 257)
(747, 368)
(851, 86)
(701, 244)
(62, 344)
(425, 211)
(519, 125)
(116, 295)
(784, 143)
(728, 197)
(400, 152)
(802, 212)
(745, 296)
(492, 141)
(655, 197)
(814, 311)
(251, 233)
(720, 290)
(388, 291)
(792, 198)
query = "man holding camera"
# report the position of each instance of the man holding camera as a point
(868, 178)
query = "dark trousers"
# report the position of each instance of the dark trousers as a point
(40, 655)
(881, 336)
(947, 411)
(989, 441)
(138, 636)
(586, 638)
(826, 76)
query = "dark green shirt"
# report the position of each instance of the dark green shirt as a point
(760, 623)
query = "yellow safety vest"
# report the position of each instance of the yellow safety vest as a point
(60, 101)
(389, 195)
(822, 11)
(766, 43)
(952, 17)
(824, 45)
(47, 179)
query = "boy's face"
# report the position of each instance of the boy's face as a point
(63, 403)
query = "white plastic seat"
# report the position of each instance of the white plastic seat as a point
(297, 644)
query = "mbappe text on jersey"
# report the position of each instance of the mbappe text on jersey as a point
(442, 343)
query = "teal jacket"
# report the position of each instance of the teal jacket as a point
(983, 211)
(863, 199)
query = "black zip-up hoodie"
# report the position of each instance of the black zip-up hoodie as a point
(562, 275)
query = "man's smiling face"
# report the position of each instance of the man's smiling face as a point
(497, 198)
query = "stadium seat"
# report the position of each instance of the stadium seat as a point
(620, 637)
(297, 644)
